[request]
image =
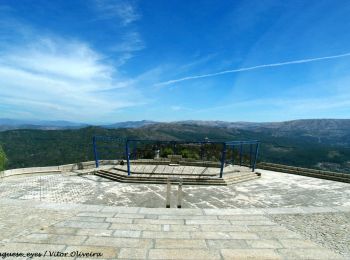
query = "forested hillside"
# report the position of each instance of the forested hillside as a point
(26, 148)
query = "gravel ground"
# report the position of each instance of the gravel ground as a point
(331, 230)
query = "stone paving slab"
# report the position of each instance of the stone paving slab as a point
(120, 220)
(108, 252)
(150, 235)
(178, 212)
(162, 234)
(206, 222)
(183, 243)
(149, 227)
(278, 235)
(188, 217)
(224, 227)
(120, 209)
(183, 254)
(269, 191)
(251, 220)
(51, 239)
(93, 232)
(80, 224)
(96, 214)
(250, 254)
(88, 219)
(264, 243)
(119, 242)
(133, 253)
(248, 211)
(127, 233)
(182, 228)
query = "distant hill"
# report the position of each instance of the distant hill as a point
(323, 131)
(328, 131)
(320, 144)
(130, 124)
(12, 124)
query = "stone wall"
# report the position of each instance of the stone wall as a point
(55, 169)
(334, 176)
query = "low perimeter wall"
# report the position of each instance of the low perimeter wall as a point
(55, 169)
(87, 165)
(334, 176)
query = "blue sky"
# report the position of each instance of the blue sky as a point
(104, 61)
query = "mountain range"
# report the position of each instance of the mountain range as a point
(314, 143)
(12, 124)
(327, 131)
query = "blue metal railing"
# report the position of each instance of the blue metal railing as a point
(226, 146)
(252, 158)
(98, 148)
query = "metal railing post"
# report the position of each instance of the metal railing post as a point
(223, 157)
(240, 154)
(250, 155)
(256, 156)
(233, 155)
(179, 194)
(95, 151)
(127, 156)
(168, 189)
(202, 151)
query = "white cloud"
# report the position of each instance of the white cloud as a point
(64, 79)
(252, 68)
(130, 42)
(123, 10)
(124, 14)
(56, 57)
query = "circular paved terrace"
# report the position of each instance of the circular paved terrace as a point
(274, 189)
(279, 216)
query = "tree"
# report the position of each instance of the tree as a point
(3, 159)
(166, 151)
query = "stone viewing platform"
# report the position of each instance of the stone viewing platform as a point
(201, 174)
(277, 216)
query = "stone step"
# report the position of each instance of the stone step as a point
(135, 176)
(232, 181)
(162, 176)
(203, 173)
(238, 176)
(159, 175)
(166, 173)
(153, 178)
(161, 179)
(155, 174)
(238, 173)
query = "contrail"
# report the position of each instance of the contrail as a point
(252, 68)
